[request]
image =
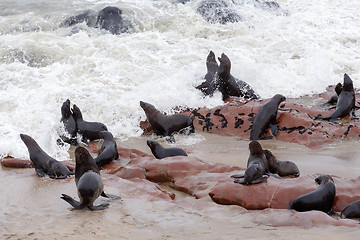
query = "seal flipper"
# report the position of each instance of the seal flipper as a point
(274, 128)
(237, 176)
(41, 172)
(99, 207)
(259, 180)
(274, 175)
(110, 196)
(71, 201)
(240, 181)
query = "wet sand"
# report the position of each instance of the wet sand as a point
(31, 207)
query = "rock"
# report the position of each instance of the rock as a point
(25, 163)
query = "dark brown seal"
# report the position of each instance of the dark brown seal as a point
(43, 163)
(229, 85)
(166, 125)
(266, 117)
(160, 152)
(69, 123)
(320, 199)
(108, 151)
(88, 182)
(209, 86)
(89, 130)
(282, 168)
(352, 211)
(333, 100)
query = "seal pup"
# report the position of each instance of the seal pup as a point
(351, 211)
(282, 168)
(333, 100)
(229, 85)
(108, 151)
(266, 117)
(257, 166)
(88, 130)
(320, 199)
(88, 182)
(166, 125)
(43, 163)
(160, 152)
(345, 103)
(69, 123)
(209, 86)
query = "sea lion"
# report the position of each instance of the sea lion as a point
(352, 211)
(69, 123)
(166, 125)
(320, 199)
(229, 85)
(88, 182)
(345, 103)
(43, 163)
(108, 151)
(335, 97)
(217, 11)
(266, 117)
(160, 152)
(88, 130)
(209, 86)
(282, 168)
(257, 166)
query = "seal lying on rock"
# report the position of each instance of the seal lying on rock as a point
(282, 168)
(88, 182)
(43, 163)
(320, 199)
(209, 86)
(108, 151)
(69, 123)
(352, 211)
(160, 152)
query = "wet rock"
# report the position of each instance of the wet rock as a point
(25, 163)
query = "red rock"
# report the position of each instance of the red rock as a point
(16, 163)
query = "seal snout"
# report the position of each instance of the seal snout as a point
(142, 104)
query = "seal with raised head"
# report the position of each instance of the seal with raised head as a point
(257, 166)
(88, 130)
(282, 168)
(266, 117)
(333, 100)
(108, 151)
(43, 163)
(229, 85)
(209, 86)
(320, 199)
(160, 152)
(345, 103)
(351, 211)
(88, 182)
(166, 125)
(69, 123)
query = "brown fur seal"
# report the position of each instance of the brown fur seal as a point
(88, 130)
(320, 199)
(266, 117)
(43, 163)
(88, 182)
(257, 166)
(166, 125)
(345, 103)
(352, 211)
(335, 97)
(209, 86)
(108, 151)
(229, 85)
(69, 123)
(160, 152)
(282, 168)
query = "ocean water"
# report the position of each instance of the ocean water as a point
(298, 50)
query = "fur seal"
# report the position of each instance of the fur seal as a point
(257, 166)
(266, 117)
(229, 85)
(69, 123)
(335, 97)
(282, 168)
(345, 103)
(88, 182)
(352, 211)
(320, 199)
(108, 151)
(166, 125)
(209, 86)
(88, 130)
(160, 152)
(43, 163)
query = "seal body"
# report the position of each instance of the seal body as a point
(209, 86)
(282, 168)
(43, 163)
(69, 123)
(160, 152)
(166, 125)
(108, 151)
(320, 199)
(229, 85)
(266, 117)
(89, 130)
(352, 211)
